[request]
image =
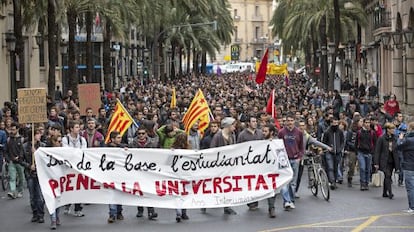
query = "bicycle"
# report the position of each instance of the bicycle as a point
(5, 178)
(316, 175)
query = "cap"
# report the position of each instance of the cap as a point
(227, 121)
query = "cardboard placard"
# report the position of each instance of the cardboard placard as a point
(32, 105)
(89, 96)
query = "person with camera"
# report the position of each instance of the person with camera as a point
(405, 144)
(386, 158)
(400, 127)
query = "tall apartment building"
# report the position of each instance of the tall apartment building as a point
(252, 34)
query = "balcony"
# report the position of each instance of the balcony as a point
(236, 18)
(257, 18)
(258, 41)
(382, 19)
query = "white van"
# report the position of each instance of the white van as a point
(240, 67)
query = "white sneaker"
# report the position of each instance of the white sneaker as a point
(288, 205)
(19, 195)
(79, 214)
(410, 211)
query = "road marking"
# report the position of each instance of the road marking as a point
(366, 224)
(324, 224)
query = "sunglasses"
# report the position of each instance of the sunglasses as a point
(141, 133)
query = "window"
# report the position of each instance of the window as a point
(235, 12)
(236, 32)
(132, 34)
(256, 11)
(42, 55)
(257, 33)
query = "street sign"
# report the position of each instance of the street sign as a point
(32, 105)
(235, 52)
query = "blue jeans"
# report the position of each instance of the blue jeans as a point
(288, 192)
(55, 216)
(16, 172)
(401, 174)
(409, 186)
(364, 160)
(331, 166)
(115, 210)
(36, 198)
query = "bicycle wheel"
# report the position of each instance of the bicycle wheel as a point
(324, 183)
(314, 188)
(5, 177)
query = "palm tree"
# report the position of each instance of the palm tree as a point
(304, 18)
(18, 33)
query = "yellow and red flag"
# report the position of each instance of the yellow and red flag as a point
(173, 103)
(198, 110)
(120, 121)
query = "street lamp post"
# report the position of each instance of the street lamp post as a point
(11, 47)
(64, 52)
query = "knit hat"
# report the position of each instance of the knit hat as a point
(227, 121)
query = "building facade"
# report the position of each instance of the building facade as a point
(387, 49)
(252, 34)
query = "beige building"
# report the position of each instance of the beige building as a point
(252, 34)
(388, 49)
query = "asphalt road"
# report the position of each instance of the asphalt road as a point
(348, 210)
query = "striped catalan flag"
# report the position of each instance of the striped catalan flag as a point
(173, 103)
(198, 110)
(120, 120)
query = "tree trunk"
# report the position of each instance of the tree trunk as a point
(195, 59)
(90, 78)
(172, 63)
(188, 60)
(107, 56)
(324, 56)
(18, 33)
(337, 38)
(203, 62)
(72, 76)
(52, 46)
(180, 61)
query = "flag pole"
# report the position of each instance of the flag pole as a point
(273, 103)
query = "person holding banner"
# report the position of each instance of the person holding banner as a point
(225, 136)
(181, 142)
(36, 199)
(251, 132)
(55, 141)
(142, 140)
(75, 140)
(115, 211)
(269, 132)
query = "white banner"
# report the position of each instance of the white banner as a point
(216, 177)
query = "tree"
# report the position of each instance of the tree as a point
(301, 19)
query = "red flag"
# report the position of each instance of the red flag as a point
(271, 108)
(261, 74)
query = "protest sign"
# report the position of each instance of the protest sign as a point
(32, 105)
(169, 178)
(89, 96)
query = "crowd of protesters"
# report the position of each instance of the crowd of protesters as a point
(359, 130)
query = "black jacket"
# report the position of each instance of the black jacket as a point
(406, 145)
(382, 152)
(14, 150)
(334, 139)
(26, 162)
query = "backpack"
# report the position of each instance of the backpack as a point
(80, 139)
